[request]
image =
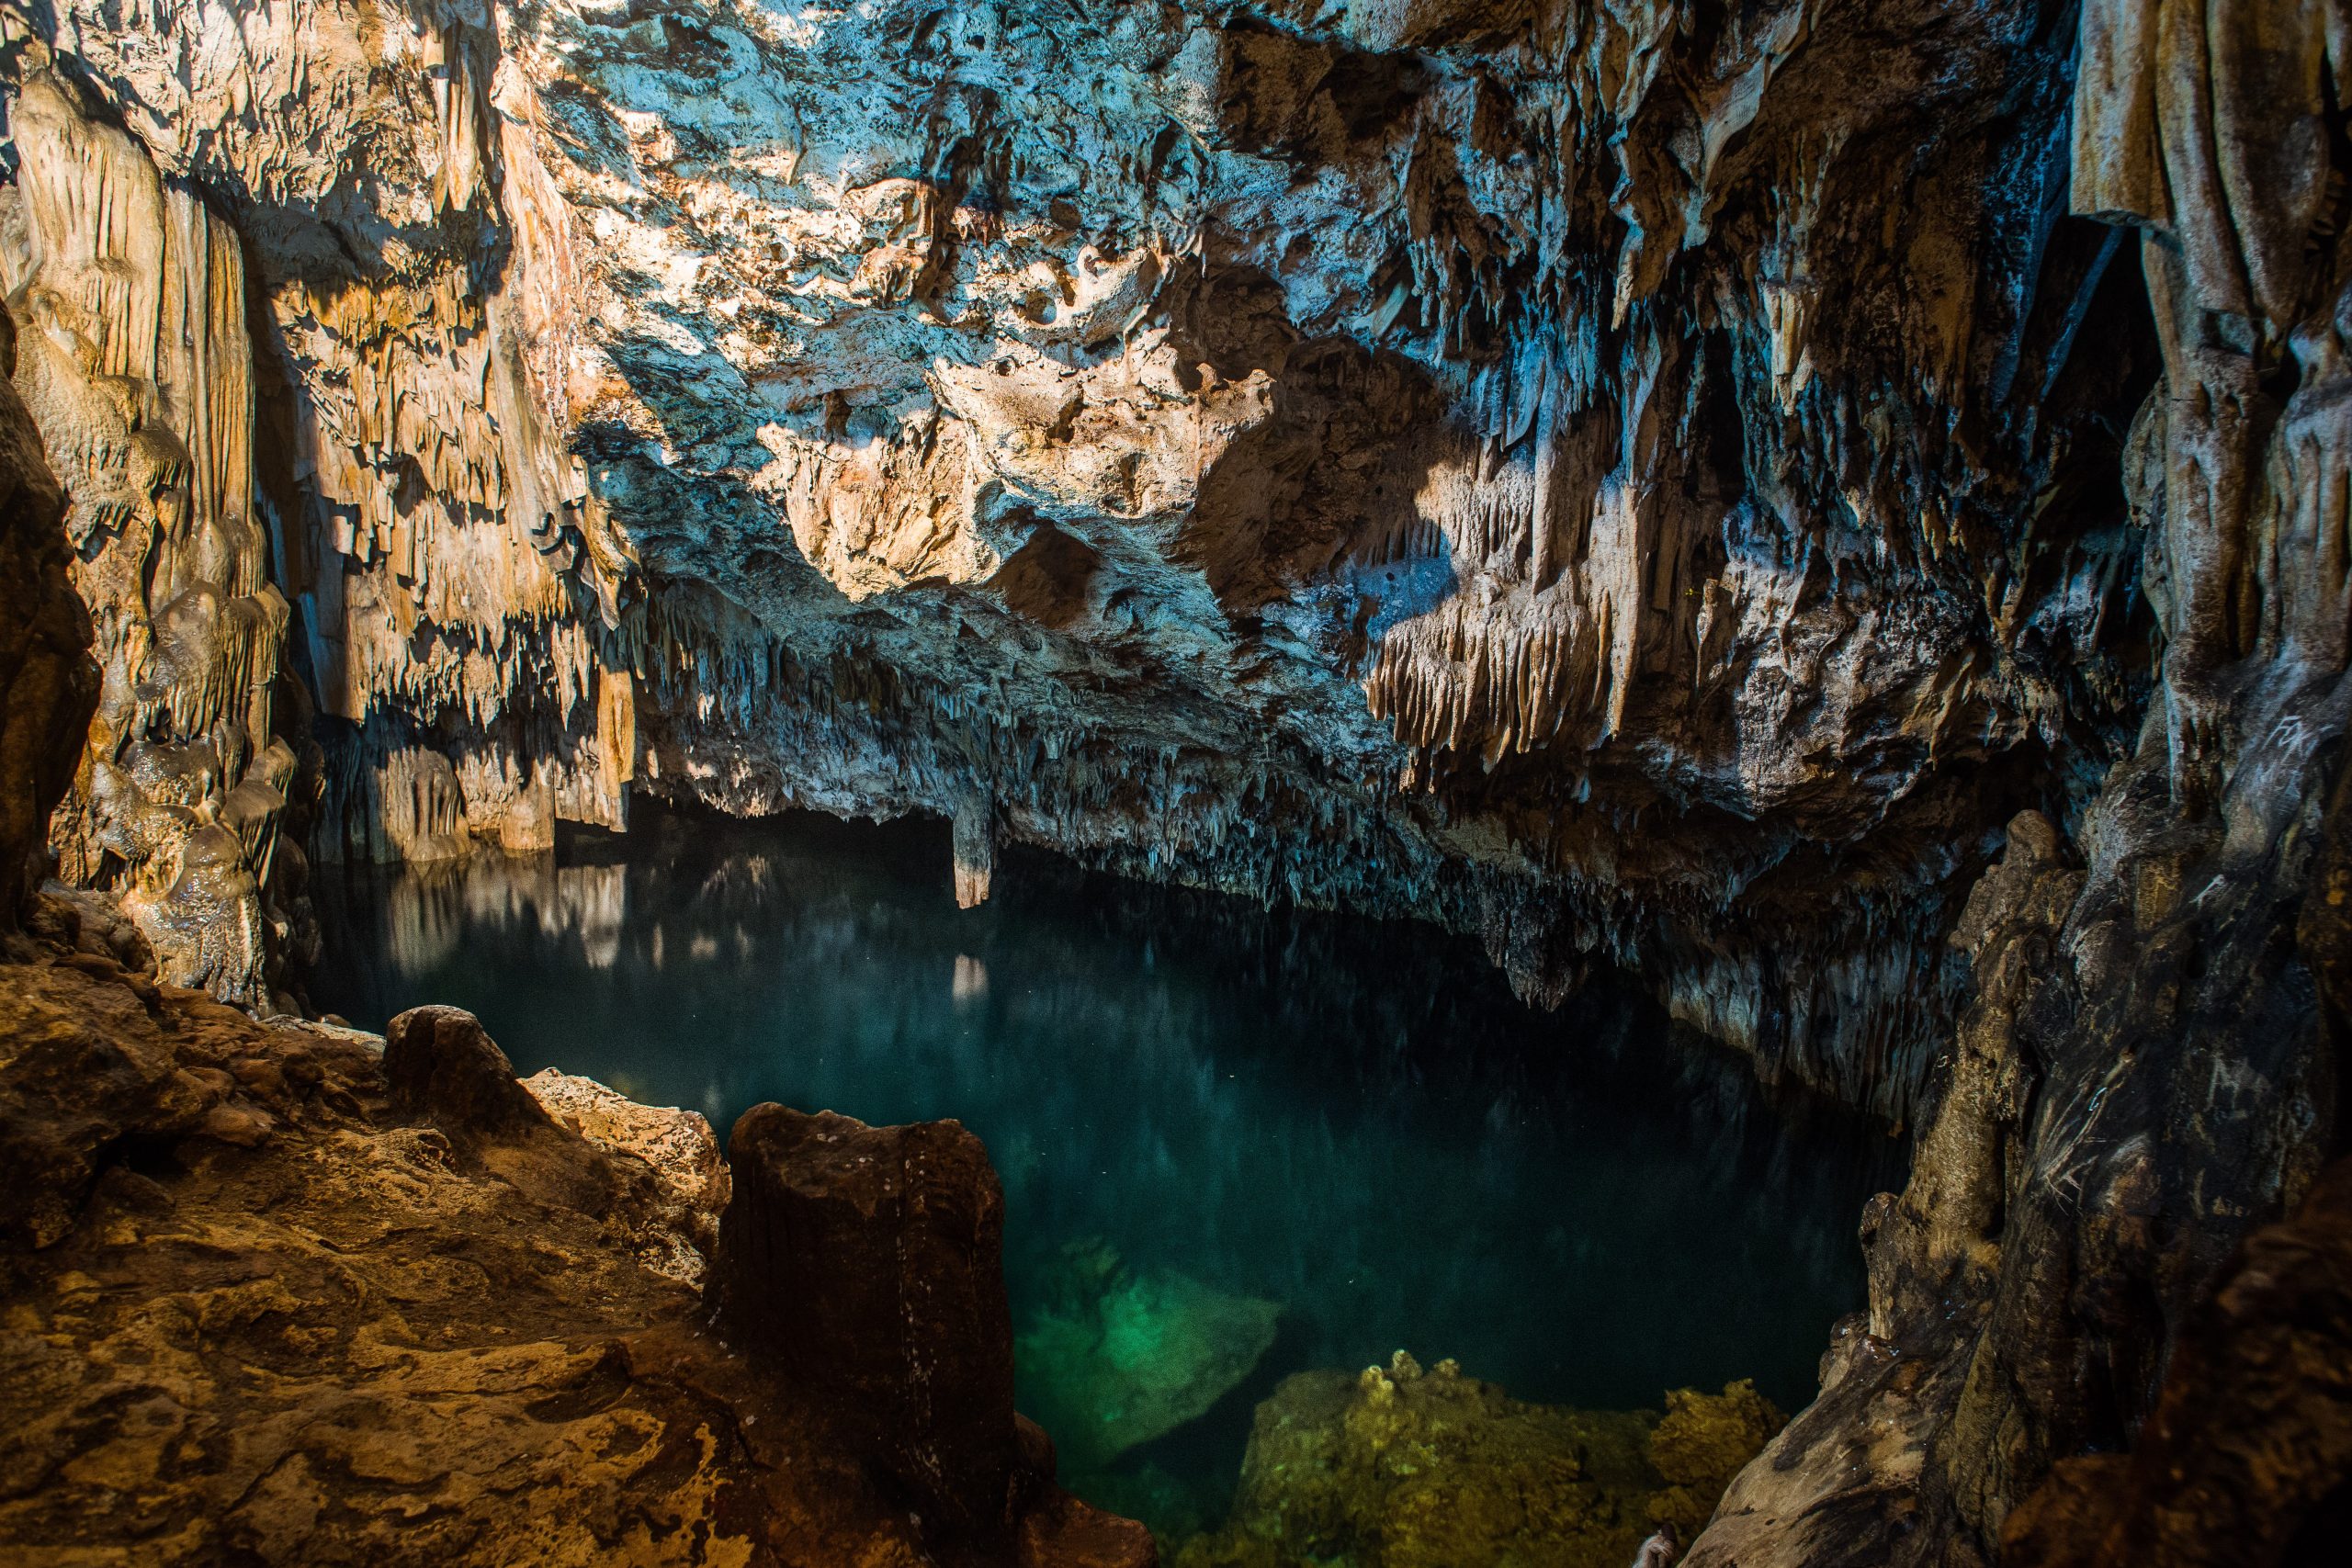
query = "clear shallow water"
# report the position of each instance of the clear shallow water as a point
(1351, 1118)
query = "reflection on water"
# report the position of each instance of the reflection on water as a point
(1197, 1108)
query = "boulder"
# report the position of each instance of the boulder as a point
(443, 1067)
(866, 1262)
(678, 1145)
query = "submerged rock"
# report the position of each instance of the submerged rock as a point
(1144, 1356)
(1397, 1468)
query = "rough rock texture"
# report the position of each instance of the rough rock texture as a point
(1130, 1356)
(1665, 482)
(47, 685)
(2152, 1062)
(266, 1297)
(868, 1262)
(130, 298)
(441, 1068)
(2248, 1456)
(1398, 454)
(1396, 1467)
(678, 1145)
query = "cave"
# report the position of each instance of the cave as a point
(1246, 783)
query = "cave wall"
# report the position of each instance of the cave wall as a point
(48, 685)
(2149, 1063)
(1635, 483)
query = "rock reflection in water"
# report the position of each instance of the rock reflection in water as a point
(1355, 1121)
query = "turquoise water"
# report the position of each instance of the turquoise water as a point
(1248, 1142)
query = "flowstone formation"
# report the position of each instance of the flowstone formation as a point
(48, 685)
(1622, 480)
(133, 360)
(1399, 1468)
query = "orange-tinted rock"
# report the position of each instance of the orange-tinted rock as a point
(48, 685)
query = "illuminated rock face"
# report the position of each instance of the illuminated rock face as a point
(1634, 487)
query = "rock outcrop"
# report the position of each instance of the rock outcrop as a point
(2150, 1064)
(869, 1261)
(678, 1145)
(1128, 1356)
(278, 1295)
(2248, 1455)
(1399, 1468)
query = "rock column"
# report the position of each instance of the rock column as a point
(868, 1262)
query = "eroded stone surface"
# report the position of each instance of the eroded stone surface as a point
(869, 1262)
(1399, 1468)
(262, 1305)
(47, 685)
(1637, 480)
(678, 1145)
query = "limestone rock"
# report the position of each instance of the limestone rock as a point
(1399, 455)
(134, 360)
(47, 685)
(867, 1261)
(350, 1338)
(443, 1069)
(2246, 1457)
(443, 1066)
(1150, 1352)
(678, 1145)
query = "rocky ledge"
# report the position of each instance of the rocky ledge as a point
(281, 1294)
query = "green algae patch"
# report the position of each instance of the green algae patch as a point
(1134, 1358)
(1397, 1468)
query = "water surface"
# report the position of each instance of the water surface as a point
(1351, 1118)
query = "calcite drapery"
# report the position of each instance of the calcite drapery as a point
(133, 360)
(47, 685)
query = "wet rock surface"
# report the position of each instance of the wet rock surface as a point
(1123, 1358)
